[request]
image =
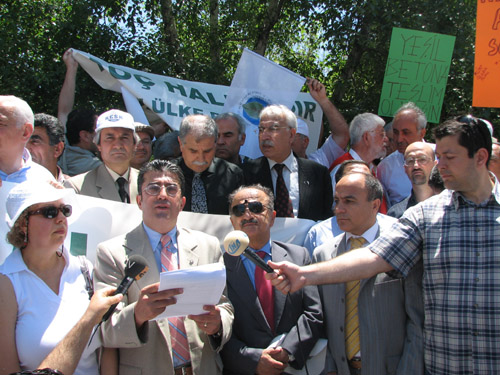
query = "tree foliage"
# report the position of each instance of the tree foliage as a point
(343, 43)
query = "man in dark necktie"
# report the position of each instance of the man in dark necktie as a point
(302, 187)
(115, 179)
(183, 345)
(209, 180)
(260, 313)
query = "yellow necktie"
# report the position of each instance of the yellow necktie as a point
(351, 309)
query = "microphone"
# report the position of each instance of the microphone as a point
(135, 268)
(236, 243)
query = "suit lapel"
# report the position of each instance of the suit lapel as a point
(304, 187)
(105, 185)
(188, 247)
(278, 255)
(237, 277)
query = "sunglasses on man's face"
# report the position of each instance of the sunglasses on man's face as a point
(50, 212)
(254, 207)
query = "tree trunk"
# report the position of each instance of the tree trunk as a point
(171, 37)
(271, 17)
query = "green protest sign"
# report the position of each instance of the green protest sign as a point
(416, 71)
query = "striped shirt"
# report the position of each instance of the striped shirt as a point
(460, 245)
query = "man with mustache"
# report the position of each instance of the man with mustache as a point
(260, 313)
(408, 126)
(302, 187)
(419, 161)
(209, 180)
(144, 147)
(114, 180)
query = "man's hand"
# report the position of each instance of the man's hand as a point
(209, 323)
(287, 277)
(101, 301)
(69, 60)
(317, 90)
(152, 303)
(273, 361)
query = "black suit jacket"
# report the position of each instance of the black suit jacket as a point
(251, 332)
(220, 180)
(315, 185)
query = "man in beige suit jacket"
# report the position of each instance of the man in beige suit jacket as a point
(116, 139)
(145, 344)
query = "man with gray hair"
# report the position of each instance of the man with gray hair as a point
(16, 127)
(209, 180)
(408, 126)
(231, 136)
(302, 187)
(368, 142)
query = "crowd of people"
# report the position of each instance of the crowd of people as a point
(398, 273)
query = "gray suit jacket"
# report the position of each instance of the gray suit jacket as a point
(251, 332)
(148, 352)
(98, 183)
(391, 318)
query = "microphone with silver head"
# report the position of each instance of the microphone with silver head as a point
(236, 243)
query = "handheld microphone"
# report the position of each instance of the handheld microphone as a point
(135, 268)
(236, 243)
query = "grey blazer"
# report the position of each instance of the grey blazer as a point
(148, 351)
(391, 318)
(251, 332)
(98, 183)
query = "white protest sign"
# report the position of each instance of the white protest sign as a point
(172, 99)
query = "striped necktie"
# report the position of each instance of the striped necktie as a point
(352, 344)
(178, 337)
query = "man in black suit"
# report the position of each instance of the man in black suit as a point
(260, 314)
(209, 180)
(302, 187)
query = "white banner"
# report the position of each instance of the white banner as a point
(172, 99)
(96, 220)
(257, 83)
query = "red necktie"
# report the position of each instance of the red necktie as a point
(178, 336)
(265, 292)
(283, 203)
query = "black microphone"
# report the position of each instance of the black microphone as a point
(236, 243)
(135, 268)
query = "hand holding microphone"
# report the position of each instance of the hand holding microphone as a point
(236, 243)
(135, 268)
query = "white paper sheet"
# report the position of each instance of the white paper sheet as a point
(203, 285)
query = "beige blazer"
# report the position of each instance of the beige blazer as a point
(98, 183)
(148, 351)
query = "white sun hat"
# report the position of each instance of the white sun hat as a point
(27, 194)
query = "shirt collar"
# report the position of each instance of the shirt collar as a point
(154, 236)
(115, 175)
(266, 248)
(457, 198)
(369, 235)
(288, 162)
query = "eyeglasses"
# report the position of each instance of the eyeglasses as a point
(155, 189)
(410, 162)
(254, 207)
(50, 212)
(271, 129)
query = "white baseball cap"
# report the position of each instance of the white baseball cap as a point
(115, 118)
(27, 194)
(302, 127)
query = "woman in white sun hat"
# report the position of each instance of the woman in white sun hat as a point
(43, 288)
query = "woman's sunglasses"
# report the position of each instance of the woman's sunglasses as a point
(254, 207)
(50, 212)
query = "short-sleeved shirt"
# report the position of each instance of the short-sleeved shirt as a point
(459, 243)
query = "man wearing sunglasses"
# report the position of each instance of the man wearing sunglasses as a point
(261, 314)
(302, 187)
(184, 346)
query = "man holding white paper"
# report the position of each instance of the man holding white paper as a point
(144, 344)
(260, 313)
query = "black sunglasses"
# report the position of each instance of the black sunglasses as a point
(254, 207)
(50, 212)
